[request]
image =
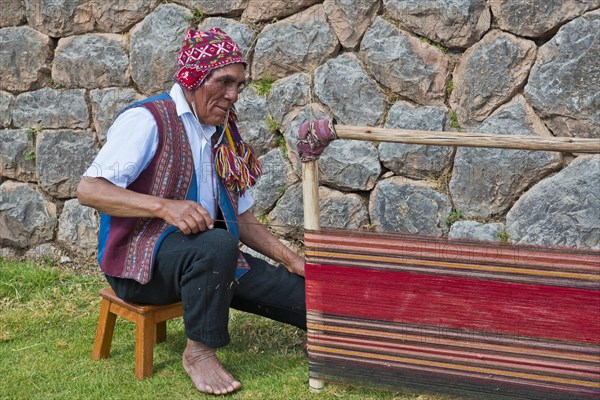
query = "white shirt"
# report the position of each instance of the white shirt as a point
(131, 143)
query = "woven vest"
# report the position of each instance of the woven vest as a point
(127, 246)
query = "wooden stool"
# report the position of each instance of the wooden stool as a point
(151, 327)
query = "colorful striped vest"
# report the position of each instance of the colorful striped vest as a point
(127, 246)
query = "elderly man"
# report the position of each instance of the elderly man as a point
(171, 187)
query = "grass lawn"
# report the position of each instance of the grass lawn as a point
(48, 322)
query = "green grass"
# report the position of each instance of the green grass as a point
(196, 17)
(282, 145)
(273, 125)
(454, 216)
(30, 156)
(48, 322)
(449, 87)
(454, 120)
(440, 47)
(263, 86)
(503, 237)
(32, 134)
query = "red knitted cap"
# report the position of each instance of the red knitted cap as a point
(203, 52)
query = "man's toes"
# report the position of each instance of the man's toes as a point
(207, 389)
(226, 387)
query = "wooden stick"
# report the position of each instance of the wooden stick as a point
(310, 194)
(469, 139)
(310, 191)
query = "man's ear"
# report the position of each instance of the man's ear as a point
(188, 94)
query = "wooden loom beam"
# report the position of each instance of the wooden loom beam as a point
(469, 139)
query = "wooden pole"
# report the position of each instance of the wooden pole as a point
(310, 193)
(469, 139)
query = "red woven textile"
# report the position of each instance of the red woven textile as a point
(486, 319)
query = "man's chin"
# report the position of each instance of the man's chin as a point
(215, 120)
(218, 116)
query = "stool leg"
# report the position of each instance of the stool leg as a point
(161, 332)
(144, 346)
(104, 332)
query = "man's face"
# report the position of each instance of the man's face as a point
(217, 94)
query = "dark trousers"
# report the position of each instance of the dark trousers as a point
(199, 271)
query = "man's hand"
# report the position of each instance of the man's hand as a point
(296, 266)
(188, 216)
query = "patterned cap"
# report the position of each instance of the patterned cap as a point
(203, 52)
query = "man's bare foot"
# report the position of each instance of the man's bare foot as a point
(206, 371)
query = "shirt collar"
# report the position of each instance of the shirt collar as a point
(182, 107)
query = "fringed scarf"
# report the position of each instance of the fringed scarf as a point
(235, 161)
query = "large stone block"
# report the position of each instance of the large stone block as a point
(413, 160)
(489, 74)
(342, 210)
(405, 64)
(564, 84)
(261, 10)
(61, 158)
(454, 23)
(91, 61)
(344, 86)
(78, 228)
(154, 44)
(106, 104)
(288, 96)
(350, 19)
(476, 230)
(563, 210)
(7, 102)
(12, 13)
(487, 182)
(8, 252)
(349, 165)
(25, 56)
(217, 7)
(537, 18)
(287, 218)
(298, 43)
(277, 176)
(26, 217)
(119, 16)
(241, 33)
(252, 122)
(401, 205)
(59, 18)
(44, 251)
(15, 147)
(51, 108)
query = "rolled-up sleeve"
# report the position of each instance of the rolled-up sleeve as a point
(245, 202)
(131, 143)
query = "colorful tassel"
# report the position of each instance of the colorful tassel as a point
(236, 161)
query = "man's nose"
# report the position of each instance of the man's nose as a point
(231, 93)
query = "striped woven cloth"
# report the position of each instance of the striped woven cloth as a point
(482, 319)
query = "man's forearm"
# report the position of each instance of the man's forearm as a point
(116, 201)
(256, 236)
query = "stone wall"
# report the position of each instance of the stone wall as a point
(518, 67)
